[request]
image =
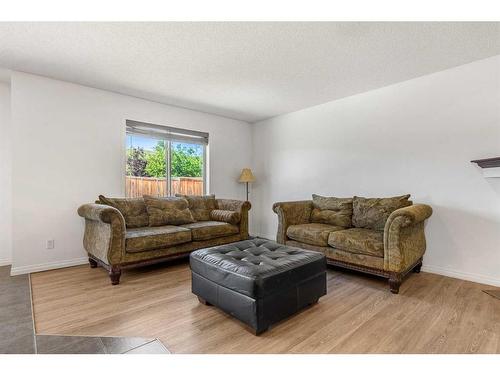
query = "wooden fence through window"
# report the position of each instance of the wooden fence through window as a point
(139, 186)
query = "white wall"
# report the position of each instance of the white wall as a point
(418, 137)
(5, 177)
(69, 147)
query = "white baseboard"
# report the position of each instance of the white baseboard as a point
(261, 236)
(5, 262)
(461, 275)
(442, 271)
(79, 261)
(271, 237)
(47, 266)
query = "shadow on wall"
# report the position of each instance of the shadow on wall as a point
(254, 215)
(494, 183)
(462, 240)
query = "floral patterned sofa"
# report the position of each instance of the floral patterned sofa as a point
(129, 232)
(380, 236)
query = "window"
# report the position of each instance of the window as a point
(164, 161)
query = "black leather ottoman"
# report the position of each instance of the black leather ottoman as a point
(258, 281)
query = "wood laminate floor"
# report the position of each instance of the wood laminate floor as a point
(17, 335)
(432, 314)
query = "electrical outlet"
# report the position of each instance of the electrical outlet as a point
(50, 244)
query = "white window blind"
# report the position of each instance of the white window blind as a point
(166, 132)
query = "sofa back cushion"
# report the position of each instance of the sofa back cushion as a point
(331, 210)
(133, 210)
(167, 211)
(200, 205)
(372, 213)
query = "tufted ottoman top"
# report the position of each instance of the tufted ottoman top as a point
(256, 267)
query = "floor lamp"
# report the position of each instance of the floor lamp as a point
(246, 177)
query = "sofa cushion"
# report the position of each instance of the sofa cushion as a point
(372, 213)
(167, 211)
(231, 217)
(150, 238)
(359, 241)
(331, 210)
(200, 205)
(133, 210)
(355, 258)
(206, 230)
(342, 255)
(312, 233)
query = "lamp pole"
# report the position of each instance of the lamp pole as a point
(246, 176)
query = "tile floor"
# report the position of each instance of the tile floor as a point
(16, 320)
(17, 334)
(49, 344)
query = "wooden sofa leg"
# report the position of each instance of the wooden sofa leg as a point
(417, 268)
(114, 274)
(395, 283)
(93, 263)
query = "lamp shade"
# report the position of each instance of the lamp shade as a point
(246, 175)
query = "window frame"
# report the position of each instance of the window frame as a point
(170, 134)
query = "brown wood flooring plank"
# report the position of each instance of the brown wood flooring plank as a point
(432, 314)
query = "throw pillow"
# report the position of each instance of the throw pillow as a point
(167, 211)
(133, 210)
(372, 213)
(200, 205)
(332, 210)
(226, 216)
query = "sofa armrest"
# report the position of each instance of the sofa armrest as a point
(104, 236)
(291, 213)
(242, 207)
(99, 212)
(404, 237)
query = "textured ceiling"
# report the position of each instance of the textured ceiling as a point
(248, 71)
